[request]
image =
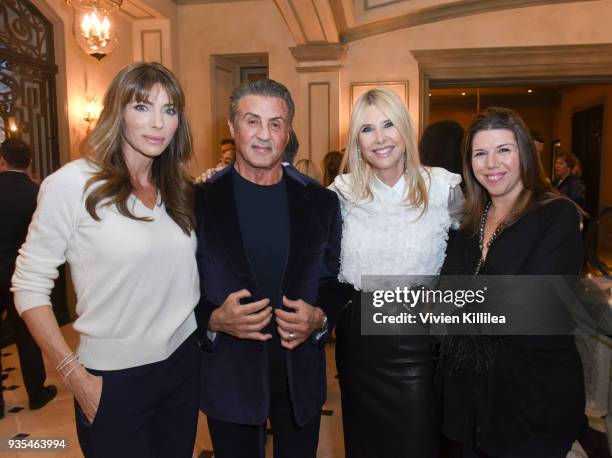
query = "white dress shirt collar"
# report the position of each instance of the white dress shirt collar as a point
(385, 192)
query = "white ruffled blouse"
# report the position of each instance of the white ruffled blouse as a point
(386, 237)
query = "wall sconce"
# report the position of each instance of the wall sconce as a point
(13, 127)
(91, 111)
(92, 26)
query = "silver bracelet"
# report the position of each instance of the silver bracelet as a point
(63, 361)
(70, 372)
(73, 357)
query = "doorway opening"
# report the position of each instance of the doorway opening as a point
(228, 72)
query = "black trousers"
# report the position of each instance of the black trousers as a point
(232, 440)
(146, 411)
(30, 356)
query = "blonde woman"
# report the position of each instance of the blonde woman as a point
(123, 219)
(396, 215)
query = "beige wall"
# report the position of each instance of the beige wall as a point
(229, 28)
(576, 100)
(80, 75)
(257, 26)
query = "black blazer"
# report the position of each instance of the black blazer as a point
(235, 373)
(573, 188)
(533, 393)
(17, 204)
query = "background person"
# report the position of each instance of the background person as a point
(228, 152)
(292, 148)
(331, 166)
(440, 145)
(123, 219)
(17, 204)
(566, 182)
(513, 396)
(309, 168)
(538, 141)
(396, 217)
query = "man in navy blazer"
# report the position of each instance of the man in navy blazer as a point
(268, 257)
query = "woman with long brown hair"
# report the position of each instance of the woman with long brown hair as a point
(123, 219)
(511, 396)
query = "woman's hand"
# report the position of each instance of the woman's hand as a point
(87, 390)
(208, 174)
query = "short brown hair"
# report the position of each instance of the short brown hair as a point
(568, 157)
(16, 153)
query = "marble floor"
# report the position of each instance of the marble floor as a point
(56, 420)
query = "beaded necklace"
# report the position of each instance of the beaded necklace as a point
(500, 228)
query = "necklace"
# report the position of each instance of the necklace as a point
(500, 228)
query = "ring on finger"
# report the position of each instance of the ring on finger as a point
(291, 336)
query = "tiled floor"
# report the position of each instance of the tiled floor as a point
(56, 420)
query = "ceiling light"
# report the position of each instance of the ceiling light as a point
(92, 28)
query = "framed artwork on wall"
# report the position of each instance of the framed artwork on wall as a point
(357, 89)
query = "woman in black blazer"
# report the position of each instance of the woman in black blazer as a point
(527, 400)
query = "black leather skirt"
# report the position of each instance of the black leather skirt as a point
(389, 405)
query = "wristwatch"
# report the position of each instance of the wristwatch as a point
(324, 326)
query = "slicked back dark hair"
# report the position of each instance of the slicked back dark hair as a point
(264, 88)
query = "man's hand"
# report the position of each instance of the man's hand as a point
(295, 328)
(244, 321)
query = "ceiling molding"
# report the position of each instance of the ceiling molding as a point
(522, 62)
(319, 69)
(319, 52)
(197, 2)
(136, 10)
(440, 13)
(526, 64)
(368, 7)
(291, 20)
(339, 15)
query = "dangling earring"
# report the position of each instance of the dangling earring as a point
(359, 153)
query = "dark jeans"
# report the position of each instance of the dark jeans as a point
(146, 411)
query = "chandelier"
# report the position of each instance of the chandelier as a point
(92, 27)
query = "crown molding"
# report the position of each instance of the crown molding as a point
(440, 13)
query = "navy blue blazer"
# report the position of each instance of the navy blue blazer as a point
(235, 372)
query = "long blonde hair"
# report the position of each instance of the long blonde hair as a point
(362, 173)
(102, 146)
